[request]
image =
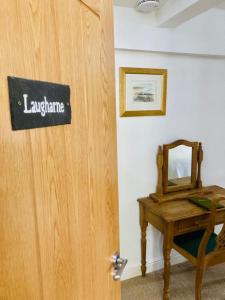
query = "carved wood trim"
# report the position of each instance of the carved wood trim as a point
(200, 159)
(159, 189)
(93, 5)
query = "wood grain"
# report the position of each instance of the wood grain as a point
(59, 209)
(94, 5)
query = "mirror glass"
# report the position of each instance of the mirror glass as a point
(179, 165)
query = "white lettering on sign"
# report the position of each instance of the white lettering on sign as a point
(43, 107)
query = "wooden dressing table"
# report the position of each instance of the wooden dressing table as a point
(171, 212)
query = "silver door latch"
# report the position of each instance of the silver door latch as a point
(118, 266)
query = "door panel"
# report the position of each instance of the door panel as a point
(58, 204)
(94, 5)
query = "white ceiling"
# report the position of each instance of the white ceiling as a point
(127, 3)
(131, 3)
(173, 13)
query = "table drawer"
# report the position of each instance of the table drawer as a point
(191, 224)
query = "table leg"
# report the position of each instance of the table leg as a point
(167, 247)
(143, 248)
(143, 225)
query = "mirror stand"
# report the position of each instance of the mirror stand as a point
(166, 193)
(200, 159)
(159, 188)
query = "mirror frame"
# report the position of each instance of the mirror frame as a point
(194, 167)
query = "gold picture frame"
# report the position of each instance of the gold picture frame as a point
(143, 92)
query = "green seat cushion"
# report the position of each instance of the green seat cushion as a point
(191, 241)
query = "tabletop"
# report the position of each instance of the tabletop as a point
(179, 208)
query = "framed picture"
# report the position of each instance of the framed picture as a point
(142, 92)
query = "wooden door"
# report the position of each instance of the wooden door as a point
(58, 186)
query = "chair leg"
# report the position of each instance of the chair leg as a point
(198, 283)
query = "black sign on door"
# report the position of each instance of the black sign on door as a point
(36, 104)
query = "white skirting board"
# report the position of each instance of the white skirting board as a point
(132, 271)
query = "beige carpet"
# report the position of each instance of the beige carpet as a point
(181, 287)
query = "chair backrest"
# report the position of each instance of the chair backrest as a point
(218, 254)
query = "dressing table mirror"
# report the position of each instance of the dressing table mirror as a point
(179, 169)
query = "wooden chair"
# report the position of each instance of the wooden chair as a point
(203, 248)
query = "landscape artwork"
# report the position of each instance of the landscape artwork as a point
(142, 92)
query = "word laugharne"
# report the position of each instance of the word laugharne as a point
(43, 107)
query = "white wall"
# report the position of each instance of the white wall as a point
(195, 111)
